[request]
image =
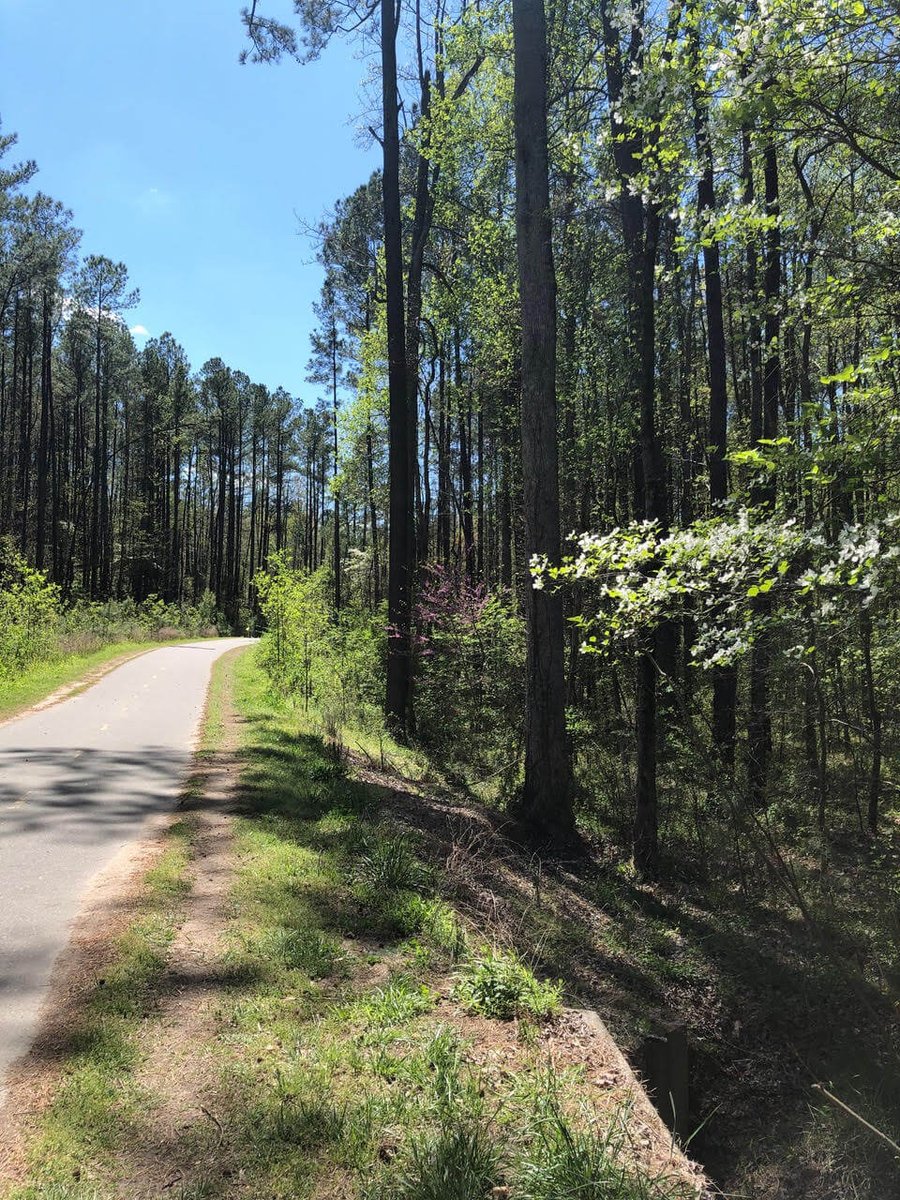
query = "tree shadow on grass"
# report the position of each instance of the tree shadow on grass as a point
(770, 1008)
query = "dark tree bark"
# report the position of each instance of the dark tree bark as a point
(546, 800)
(724, 702)
(641, 230)
(45, 448)
(398, 692)
(759, 725)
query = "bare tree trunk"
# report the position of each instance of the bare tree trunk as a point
(398, 693)
(724, 678)
(759, 726)
(546, 801)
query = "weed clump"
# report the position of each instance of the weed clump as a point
(457, 1163)
(400, 1001)
(581, 1161)
(498, 984)
(388, 864)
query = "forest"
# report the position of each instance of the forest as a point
(591, 498)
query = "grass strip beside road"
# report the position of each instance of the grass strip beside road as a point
(74, 672)
(367, 1045)
(97, 1106)
(361, 1042)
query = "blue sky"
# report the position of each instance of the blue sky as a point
(186, 166)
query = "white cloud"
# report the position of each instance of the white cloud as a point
(154, 202)
(139, 331)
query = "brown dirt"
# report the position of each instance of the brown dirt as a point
(177, 1070)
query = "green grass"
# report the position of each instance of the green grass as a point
(98, 1105)
(42, 679)
(341, 1064)
(344, 1065)
(498, 984)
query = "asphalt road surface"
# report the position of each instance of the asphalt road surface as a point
(78, 782)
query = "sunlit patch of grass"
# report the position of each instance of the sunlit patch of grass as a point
(98, 1105)
(402, 999)
(498, 984)
(388, 862)
(42, 679)
(458, 1162)
(339, 1071)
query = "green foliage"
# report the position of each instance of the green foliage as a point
(35, 627)
(498, 984)
(580, 1162)
(29, 613)
(296, 613)
(304, 949)
(460, 1162)
(715, 569)
(402, 999)
(471, 658)
(389, 864)
(87, 625)
(312, 654)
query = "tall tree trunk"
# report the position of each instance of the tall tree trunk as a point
(336, 560)
(44, 444)
(874, 715)
(398, 692)
(546, 801)
(641, 227)
(724, 683)
(759, 725)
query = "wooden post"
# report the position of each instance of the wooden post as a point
(665, 1063)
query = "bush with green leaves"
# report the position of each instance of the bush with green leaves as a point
(498, 984)
(295, 610)
(312, 654)
(35, 627)
(89, 624)
(389, 864)
(29, 613)
(470, 646)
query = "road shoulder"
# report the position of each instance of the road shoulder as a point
(150, 891)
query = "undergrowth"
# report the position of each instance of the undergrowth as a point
(343, 1063)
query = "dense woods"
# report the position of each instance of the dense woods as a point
(593, 491)
(715, 329)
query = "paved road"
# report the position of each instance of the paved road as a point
(78, 782)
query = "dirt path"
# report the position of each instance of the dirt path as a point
(175, 1046)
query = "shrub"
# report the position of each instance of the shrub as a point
(388, 864)
(310, 653)
(498, 984)
(29, 613)
(89, 624)
(471, 654)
